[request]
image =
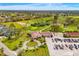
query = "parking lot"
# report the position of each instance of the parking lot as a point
(60, 46)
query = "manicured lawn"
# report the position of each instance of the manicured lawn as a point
(32, 21)
(41, 51)
(31, 44)
(33, 28)
(16, 24)
(71, 28)
(41, 39)
(15, 43)
(74, 16)
(36, 28)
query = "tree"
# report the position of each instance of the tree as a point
(77, 26)
(69, 21)
(55, 20)
(55, 26)
(1, 52)
(13, 32)
(12, 26)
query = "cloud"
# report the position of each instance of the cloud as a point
(39, 6)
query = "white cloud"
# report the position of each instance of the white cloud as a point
(39, 6)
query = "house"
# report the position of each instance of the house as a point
(35, 34)
(71, 34)
(46, 34)
(57, 34)
(40, 34)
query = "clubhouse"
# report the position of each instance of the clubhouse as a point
(35, 35)
(71, 34)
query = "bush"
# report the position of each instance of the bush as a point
(40, 24)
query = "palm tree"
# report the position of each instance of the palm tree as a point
(54, 25)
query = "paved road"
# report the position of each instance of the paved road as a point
(19, 50)
(6, 50)
(25, 46)
(49, 44)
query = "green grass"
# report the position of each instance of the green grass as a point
(41, 51)
(31, 28)
(71, 28)
(16, 24)
(13, 44)
(31, 44)
(41, 39)
(74, 16)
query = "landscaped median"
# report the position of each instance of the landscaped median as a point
(31, 44)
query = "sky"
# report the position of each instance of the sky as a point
(39, 6)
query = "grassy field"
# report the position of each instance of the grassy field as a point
(31, 44)
(16, 24)
(41, 51)
(42, 39)
(71, 28)
(15, 43)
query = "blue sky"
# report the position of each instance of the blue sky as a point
(39, 6)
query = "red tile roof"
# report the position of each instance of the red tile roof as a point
(39, 34)
(48, 34)
(72, 33)
(35, 34)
